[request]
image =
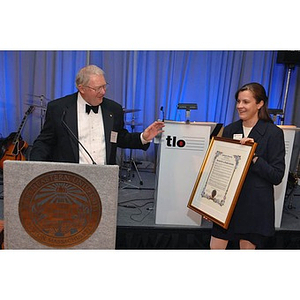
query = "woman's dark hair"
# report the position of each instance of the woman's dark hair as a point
(259, 93)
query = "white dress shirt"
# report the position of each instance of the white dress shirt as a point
(90, 134)
(246, 131)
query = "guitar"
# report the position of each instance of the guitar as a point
(14, 146)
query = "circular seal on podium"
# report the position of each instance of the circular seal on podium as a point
(60, 209)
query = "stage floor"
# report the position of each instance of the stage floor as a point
(137, 229)
(136, 205)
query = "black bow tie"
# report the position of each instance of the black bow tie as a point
(88, 108)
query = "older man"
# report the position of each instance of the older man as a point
(86, 127)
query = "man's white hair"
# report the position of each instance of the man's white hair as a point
(84, 74)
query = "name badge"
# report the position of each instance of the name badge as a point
(237, 136)
(113, 137)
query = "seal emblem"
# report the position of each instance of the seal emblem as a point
(60, 209)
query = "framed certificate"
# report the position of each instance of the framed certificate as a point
(220, 179)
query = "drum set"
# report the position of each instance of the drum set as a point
(130, 165)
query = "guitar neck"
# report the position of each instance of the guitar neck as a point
(17, 136)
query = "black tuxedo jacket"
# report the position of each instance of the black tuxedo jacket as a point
(56, 143)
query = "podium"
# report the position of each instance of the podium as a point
(181, 150)
(59, 205)
(280, 190)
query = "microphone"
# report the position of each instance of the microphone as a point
(163, 113)
(75, 137)
(157, 138)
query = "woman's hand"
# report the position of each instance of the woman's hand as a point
(243, 141)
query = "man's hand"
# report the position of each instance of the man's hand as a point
(153, 130)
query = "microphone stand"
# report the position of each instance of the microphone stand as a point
(75, 137)
(290, 68)
(42, 114)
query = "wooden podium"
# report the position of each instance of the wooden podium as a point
(181, 151)
(59, 205)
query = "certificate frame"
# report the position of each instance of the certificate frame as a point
(220, 179)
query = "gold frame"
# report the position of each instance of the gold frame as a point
(215, 196)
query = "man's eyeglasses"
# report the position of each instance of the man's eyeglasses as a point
(99, 88)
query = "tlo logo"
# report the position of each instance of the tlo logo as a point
(172, 142)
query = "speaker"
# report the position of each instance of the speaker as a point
(288, 57)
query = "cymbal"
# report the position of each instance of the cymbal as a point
(39, 106)
(130, 110)
(39, 96)
(134, 124)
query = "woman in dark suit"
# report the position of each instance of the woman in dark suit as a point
(87, 120)
(254, 214)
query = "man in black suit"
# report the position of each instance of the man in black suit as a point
(87, 120)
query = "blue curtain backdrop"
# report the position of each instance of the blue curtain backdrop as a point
(143, 80)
